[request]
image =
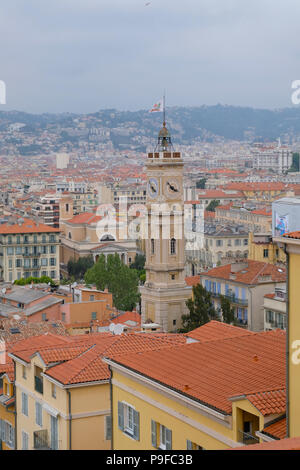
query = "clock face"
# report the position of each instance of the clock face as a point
(152, 187)
(172, 188)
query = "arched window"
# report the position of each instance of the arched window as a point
(152, 246)
(173, 246)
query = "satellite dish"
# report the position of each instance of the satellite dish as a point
(112, 327)
(118, 329)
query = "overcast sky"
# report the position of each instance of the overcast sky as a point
(85, 55)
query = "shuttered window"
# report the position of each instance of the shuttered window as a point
(24, 404)
(38, 414)
(108, 428)
(25, 439)
(129, 420)
(154, 433)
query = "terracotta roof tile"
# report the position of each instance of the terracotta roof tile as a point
(284, 444)
(250, 274)
(269, 402)
(276, 429)
(214, 371)
(215, 330)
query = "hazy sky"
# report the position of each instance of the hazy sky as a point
(85, 55)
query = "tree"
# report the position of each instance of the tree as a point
(201, 310)
(118, 278)
(212, 205)
(78, 268)
(227, 311)
(139, 262)
(295, 164)
(201, 183)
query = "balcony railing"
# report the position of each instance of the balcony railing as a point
(248, 438)
(41, 440)
(38, 384)
(231, 298)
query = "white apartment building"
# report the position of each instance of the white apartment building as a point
(279, 158)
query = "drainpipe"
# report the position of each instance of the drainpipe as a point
(111, 407)
(287, 344)
(70, 421)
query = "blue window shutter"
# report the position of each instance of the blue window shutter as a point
(219, 287)
(246, 314)
(136, 425)
(243, 293)
(168, 439)
(236, 293)
(154, 433)
(121, 416)
(206, 285)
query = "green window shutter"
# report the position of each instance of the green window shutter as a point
(121, 416)
(136, 425)
(154, 433)
(189, 445)
(168, 439)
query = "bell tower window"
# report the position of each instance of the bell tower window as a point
(173, 246)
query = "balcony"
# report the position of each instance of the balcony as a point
(247, 438)
(232, 299)
(31, 255)
(41, 440)
(38, 384)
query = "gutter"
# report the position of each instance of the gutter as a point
(111, 407)
(70, 421)
(287, 348)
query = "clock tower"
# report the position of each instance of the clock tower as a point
(165, 292)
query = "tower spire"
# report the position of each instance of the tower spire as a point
(164, 143)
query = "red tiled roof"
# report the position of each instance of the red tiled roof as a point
(276, 429)
(284, 444)
(270, 402)
(29, 226)
(249, 274)
(192, 280)
(214, 371)
(215, 330)
(295, 235)
(84, 218)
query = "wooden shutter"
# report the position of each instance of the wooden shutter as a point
(189, 445)
(154, 433)
(168, 439)
(136, 425)
(121, 416)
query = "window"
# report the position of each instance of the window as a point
(108, 428)
(192, 446)
(161, 436)
(10, 250)
(52, 249)
(94, 315)
(237, 242)
(24, 404)
(52, 262)
(266, 253)
(25, 439)
(129, 420)
(38, 414)
(152, 246)
(219, 243)
(63, 316)
(53, 390)
(24, 375)
(7, 433)
(18, 263)
(44, 262)
(44, 317)
(53, 274)
(245, 241)
(92, 298)
(173, 246)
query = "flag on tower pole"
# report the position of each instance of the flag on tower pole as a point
(158, 107)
